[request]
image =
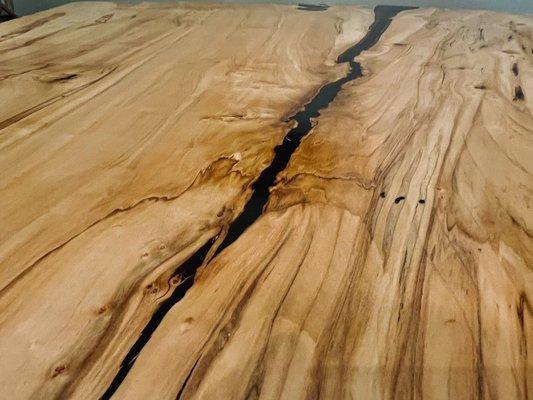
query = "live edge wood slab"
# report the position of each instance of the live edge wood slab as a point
(156, 244)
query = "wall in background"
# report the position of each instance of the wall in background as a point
(24, 7)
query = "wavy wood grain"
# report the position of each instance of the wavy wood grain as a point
(130, 136)
(394, 258)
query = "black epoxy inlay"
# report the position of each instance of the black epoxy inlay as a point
(187, 271)
(261, 187)
(312, 7)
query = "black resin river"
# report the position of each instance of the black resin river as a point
(261, 187)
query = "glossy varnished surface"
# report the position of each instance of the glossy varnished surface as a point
(394, 256)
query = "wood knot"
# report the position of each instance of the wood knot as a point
(151, 288)
(185, 325)
(175, 280)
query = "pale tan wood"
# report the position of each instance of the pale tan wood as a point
(349, 294)
(129, 136)
(348, 286)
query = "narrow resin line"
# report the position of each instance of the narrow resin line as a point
(261, 187)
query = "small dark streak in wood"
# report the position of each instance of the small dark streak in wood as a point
(520, 226)
(63, 78)
(59, 370)
(518, 94)
(520, 310)
(399, 199)
(514, 68)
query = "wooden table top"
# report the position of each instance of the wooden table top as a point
(185, 213)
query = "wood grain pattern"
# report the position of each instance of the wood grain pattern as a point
(393, 260)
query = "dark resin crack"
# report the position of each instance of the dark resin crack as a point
(261, 187)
